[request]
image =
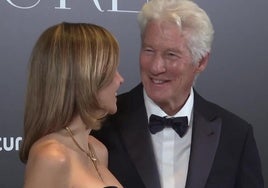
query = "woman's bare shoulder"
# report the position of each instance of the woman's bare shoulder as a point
(48, 163)
(49, 151)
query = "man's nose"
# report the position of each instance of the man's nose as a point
(158, 64)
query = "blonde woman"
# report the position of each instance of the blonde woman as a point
(72, 85)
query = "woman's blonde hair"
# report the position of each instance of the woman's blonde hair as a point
(69, 64)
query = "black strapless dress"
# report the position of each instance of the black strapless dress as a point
(110, 187)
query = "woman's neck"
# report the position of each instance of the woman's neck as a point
(79, 130)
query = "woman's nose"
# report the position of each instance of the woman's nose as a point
(121, 79)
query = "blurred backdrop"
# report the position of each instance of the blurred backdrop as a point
(236, 77)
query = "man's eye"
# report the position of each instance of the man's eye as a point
(148, 50)
(171, 54)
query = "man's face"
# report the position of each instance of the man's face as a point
(166, 64)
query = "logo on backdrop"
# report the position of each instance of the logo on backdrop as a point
(10, 143)
(63, 4)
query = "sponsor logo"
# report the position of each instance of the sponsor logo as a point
(10, 143)
(63, 4)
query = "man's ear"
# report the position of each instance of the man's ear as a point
(202, 64)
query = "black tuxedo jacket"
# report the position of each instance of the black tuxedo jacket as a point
(223, 150)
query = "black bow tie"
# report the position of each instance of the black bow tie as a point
(179, 124)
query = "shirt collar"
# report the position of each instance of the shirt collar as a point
(152, 108)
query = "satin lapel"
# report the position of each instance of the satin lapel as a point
(205, 139)
(138, 143)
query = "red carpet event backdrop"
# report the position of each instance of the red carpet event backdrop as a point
(236, 77)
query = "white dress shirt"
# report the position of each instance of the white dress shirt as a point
(171, 151)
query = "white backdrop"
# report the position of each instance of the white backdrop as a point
(235, 78)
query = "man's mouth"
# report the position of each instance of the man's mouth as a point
(157, 81)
